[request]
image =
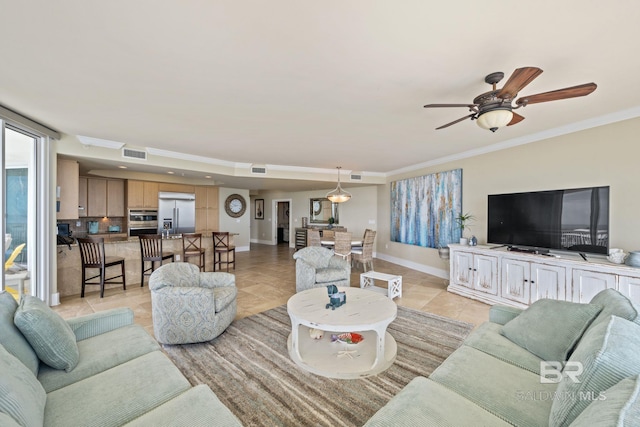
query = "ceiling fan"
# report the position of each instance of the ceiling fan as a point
(494, 109)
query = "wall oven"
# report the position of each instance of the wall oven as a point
(143, 221)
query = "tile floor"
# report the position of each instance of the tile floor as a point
(265, 277)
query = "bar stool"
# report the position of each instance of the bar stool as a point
(92, 256)
(151, 250)
(222, 245)
(192, 247)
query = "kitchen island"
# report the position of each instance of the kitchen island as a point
(69, 264)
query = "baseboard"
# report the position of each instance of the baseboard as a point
(243, 248)
(443, 274)
(55, 299)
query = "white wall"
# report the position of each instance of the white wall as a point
(357, 214)
(236, 225)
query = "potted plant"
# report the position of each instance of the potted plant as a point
(463, 221)
(331, 222)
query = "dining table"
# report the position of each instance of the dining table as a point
(331, 243)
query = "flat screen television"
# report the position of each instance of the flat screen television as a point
(574, 220)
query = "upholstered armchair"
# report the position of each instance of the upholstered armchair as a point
(317, 266)
(189, 306)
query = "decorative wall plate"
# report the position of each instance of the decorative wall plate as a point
(235, 205)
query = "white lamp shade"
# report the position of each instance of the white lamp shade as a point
(495, 119)
(338, 195)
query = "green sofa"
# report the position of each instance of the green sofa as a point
(556, 363)
(100, 370)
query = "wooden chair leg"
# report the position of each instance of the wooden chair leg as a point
(124, 281)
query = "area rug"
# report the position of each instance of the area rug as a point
(249, 369)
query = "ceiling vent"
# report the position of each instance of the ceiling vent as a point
(355, 176)
(259, 169)
(134, 154)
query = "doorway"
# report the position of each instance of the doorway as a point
(282, 224)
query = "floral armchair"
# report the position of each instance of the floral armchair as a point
(317, 266)
(189, 306)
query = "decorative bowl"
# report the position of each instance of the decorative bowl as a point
(633, 259)
(617, 257)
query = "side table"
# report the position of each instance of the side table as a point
(394, 283)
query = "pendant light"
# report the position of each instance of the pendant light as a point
(338, 195)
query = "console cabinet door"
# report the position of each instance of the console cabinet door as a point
(485, 271)
(463, 269)
(630, 287)
(547, 281)
(586, 284)
(515, 280)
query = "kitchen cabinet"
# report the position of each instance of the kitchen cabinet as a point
(99, 197)
(207, 208)
(82, 197)
(176, 188)
(96, 197)
(142, 194)
(115, 198)
(525, 278)
(67, 181)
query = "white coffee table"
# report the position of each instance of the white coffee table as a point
(367, 313)
(394, 283)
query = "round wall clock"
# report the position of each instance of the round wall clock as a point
(235, 205)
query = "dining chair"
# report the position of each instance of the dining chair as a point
(328, 234)
(365, 256)
(313, 238)
(151, 251)
(222, 246)
(192, 247)
(92, 256)
(342, 246)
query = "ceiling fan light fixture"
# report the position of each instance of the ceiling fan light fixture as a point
(338, 195)
(494, 119)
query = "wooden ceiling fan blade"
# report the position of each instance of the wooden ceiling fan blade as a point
(517, 118)
(518, 80)
(456, 121)
(449, 105)
(554, 95)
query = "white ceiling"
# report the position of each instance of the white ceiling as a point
(311, 84)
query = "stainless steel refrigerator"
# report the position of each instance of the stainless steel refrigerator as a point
(176, 213)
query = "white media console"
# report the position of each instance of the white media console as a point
(518, 279)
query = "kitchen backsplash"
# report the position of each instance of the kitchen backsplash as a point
(103, 225)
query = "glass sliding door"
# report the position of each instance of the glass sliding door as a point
(19, 184)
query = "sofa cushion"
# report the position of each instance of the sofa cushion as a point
(50, 336)
(197, 407)
(608, 353)
(614, 304)
(505, 390)
(426, 403)
(617, 406)
(100, 353)
(549, 328)
(224, 296)
(11, 337)
(327, 275)
(316, 256)
(118, 395)
(488, 339)
(21, 395)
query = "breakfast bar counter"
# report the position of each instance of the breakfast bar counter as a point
(69, 264)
